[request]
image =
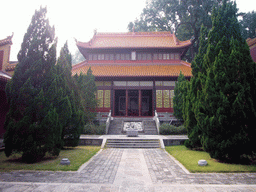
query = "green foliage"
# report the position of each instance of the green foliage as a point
(47, 107)
(194, 94)
(87, 86)
(248, 25)
(77, 156)
(227, 109)
(183, 17)
(68, 102)
(189, 158)
(94, 129)
(179, 91)
(166, 129)
(32, 123)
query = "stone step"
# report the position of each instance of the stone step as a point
(116, 126)
(133, 143)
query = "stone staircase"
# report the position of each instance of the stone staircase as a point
(133, 143)
(116, 126)
(150, 127)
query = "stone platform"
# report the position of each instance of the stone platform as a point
(100, 140)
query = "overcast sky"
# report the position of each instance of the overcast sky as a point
(76, 18)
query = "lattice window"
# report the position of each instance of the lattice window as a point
(168, 83)
(172, 56)
(90, 57)
(107, 83)
(139, 56)
(148, 56)
(171, 97)
(133, 83)
(160, 56)
(100, 98)
(166, 99)
(127, 56)
(159, 83)
(177, 56)
(119, 83)
(111, 57)
(159, 99)
(107, 57)
(144, 56)
(164, 56)
(118, 56)
(146, 83)
(99, 83)
(107, 99)
(155, 56)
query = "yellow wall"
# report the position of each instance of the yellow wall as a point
(6, 49)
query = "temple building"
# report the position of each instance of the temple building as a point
(5, 67)
(252, 45)
(135, 72)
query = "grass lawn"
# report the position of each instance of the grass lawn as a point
(190, 160)
(77, 156)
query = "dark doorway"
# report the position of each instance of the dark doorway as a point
(133, 103)
(120, 103)
(146, 103)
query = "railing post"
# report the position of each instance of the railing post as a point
(157, 122)
(108, 122)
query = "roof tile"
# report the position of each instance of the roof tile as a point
(133, 71)
(134, 40)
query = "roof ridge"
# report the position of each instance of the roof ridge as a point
(149, 33)
(7, 40)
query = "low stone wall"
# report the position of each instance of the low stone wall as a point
(171, 142)
(91, 141)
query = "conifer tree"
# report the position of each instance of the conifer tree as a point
(178, 97)
(88, 92)
(228, 107)
(68, 105)
(32, 123)
(194, 93)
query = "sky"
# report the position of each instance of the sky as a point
(76, 19)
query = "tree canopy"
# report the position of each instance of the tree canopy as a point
(47, 106)
(226, 107)
(32, 123)
(248, 25)
(184, 18)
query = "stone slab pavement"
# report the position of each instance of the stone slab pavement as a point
(121, 170)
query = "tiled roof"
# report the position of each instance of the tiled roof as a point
(251, 42)
(11, 66)
(4, 76)
(7, 40)
(134, 40)
(133, 70)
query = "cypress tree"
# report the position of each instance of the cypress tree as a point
(69, 106)
(178, 97)
(88, 90)
(229, 93)
(194, 92)
(32, 125)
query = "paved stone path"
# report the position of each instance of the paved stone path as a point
(127, 170)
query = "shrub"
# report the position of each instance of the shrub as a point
(166, 129)
(94, 129)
